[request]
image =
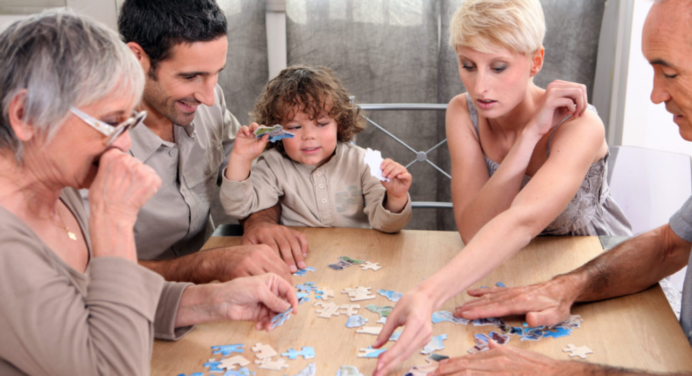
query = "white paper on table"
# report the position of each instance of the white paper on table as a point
(373, 158)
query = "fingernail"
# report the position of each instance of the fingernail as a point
(302, 265)
(293, 269)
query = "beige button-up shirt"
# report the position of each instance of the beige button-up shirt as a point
(340, 193)
(176, 221)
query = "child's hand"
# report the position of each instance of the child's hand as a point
(246, 146)
(398, 185)
(245, 149)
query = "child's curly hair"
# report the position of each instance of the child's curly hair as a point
(312, 90)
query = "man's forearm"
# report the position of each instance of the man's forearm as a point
(631, 267)
(587, 369)
(270, 215)
(190, 268)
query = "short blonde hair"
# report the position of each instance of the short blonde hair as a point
(485, 25)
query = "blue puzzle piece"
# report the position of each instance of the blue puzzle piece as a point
(214, 366)
(356, 321)
(395, 336)
(303, 272)
(226, 350)
(193, 374)
(240, 372)
(440, 316)
(557, 333)
(303, 297)
(281, 318)
(280, 137)
(372, 354)
(306, 352)
(307, 287)
(391, 295)
(500, 284)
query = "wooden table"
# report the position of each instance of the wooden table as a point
(637, 331)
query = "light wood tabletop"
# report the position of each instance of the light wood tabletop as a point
(636, 331)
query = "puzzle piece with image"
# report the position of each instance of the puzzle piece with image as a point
(303, 272)
(310, 370)
(422, 370)
(213, 365)
(440, 316)
(244, 371)
(391, 295)
(306, 352)
(434, 345)
(328, 310)
(359, 293)
(577, 351)
(370, 352)
(275, 132)
(395, 336)
(348, 371)
(226, 350)
(307, 287)
(382, 311)
(375, 266)
(281, 318)
(193, 374)
(303, 297)
(356, 321)
(263, 351)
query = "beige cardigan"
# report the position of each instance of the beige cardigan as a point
(57, 321)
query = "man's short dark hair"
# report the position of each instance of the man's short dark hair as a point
(158, 25)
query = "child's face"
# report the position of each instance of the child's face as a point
(314, 141)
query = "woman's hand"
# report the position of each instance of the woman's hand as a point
(561, 99)
(397, 186)
(123, 184)
(258, 299)
(414, 311)
(504, 360)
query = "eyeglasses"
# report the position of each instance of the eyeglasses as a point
(112, 132)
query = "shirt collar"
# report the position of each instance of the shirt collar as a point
(326, 166)
(144, 142)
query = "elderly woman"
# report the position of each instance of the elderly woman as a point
(74, 300)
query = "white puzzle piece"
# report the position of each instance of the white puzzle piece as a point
(263, 351)
(328, 310)
(373, 158)
(231, 363)
(269, 363)
(374, 330)
(577, 351)
(370, 265)
(349, 309)
(359, 293)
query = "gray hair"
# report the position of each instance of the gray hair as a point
(61, 59)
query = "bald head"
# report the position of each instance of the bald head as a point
(667, 45)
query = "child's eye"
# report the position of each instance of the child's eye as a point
(323, 124)
(292, 127)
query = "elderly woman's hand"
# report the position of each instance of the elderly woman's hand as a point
(122, 185)
(257, 299)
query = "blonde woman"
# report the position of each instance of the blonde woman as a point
(525, 160)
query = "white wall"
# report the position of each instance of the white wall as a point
(644, 123)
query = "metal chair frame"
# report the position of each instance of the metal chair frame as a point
(421, 156)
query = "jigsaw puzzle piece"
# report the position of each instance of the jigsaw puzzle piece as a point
(370, 352)
(375, 266)
(193, 374)
(269, 363)
(577, 351)
(226, 350)
(441, 316)
(306, 352)
(328, 310)
(391, 295)
(310, 370)
(231, 363)
(263, 351)
(349, 309)
(348, 371)
(281, 318)
(356, 321)
(240, 372)
(434, 345)
(213, 365)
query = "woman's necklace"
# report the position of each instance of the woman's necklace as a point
(61, 225)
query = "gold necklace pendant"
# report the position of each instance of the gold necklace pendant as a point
(71, 235)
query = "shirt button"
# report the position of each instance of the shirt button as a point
(207, 171)
(319, 173)
(324, 200)
(321, 185)
(171, 153)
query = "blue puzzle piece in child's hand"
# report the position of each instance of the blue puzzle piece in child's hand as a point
(213, 365)
(306, 352)
(226, 350)
(280, 137)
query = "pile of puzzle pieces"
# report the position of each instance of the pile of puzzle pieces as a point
(345, 262)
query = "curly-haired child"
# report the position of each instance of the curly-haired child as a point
(319, 177)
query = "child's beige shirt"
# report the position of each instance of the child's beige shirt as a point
(340, 193)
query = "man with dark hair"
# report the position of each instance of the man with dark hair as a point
(182, 46)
